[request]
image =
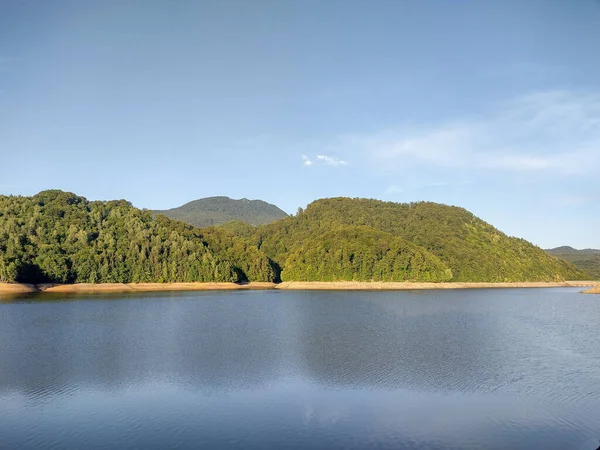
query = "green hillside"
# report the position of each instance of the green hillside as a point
(315, 244)
(219, 210)
(59, 237)
(362, 254)
(587, 260)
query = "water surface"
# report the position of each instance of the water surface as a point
(460, 369)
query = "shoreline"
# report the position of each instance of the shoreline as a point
(400, 286)
(89, 288)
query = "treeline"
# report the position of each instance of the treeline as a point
(360, 239)
(58, 237)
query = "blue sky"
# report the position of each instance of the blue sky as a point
(489, 105)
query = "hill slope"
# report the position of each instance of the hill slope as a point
(59, 237)
(587, 259)
(467, 248)
(211, 211)
(361, 254)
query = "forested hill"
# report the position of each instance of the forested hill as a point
(360, 239)
(218, 210)
(587, 259)
(59, 237)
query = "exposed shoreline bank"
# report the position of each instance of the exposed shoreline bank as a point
(16, 288)
(397, 286)
(91, 288)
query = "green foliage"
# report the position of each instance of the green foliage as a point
(58, 237)
(238, 228)
(249, 262)
(587, 260)
(470, 248)
(362, 254)
(219, 210)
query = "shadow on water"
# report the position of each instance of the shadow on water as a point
(213, 340)
(40, 297)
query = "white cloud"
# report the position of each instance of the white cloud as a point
(324, 159)
(556, 132)
(331, 160)
(307, 162)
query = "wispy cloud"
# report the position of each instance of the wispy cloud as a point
(325, 160)
(307, 162)
(331, 160)
(555, 131)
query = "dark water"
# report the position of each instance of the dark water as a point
(468, 369)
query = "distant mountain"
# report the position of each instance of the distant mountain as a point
(212, 211)
(587, 259)
(339, 239)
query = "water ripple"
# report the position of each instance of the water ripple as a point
(437, 370)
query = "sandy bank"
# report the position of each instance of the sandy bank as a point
(594, 290)
(150, 287)
(16, 288)
(392, 286)
(83, 288)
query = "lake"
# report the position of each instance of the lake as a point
(451, 369)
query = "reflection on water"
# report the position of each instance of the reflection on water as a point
(266, 369)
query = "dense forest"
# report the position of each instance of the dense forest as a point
(362, 254)
(58, 237)
(212, 211)
(425, 241)
(587, 259)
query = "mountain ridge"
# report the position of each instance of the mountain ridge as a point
(587, 259)
(217, 210)
(568, 248)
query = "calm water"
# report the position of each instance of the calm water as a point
(469, 369)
